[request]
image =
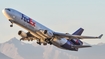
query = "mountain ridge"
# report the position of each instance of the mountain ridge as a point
(2, 56)
(16, 49)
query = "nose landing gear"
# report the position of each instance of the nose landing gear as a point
(11, 23)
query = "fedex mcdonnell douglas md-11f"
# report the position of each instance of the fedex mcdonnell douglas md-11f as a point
(44, 35)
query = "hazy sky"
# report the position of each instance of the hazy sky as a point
(58, 15)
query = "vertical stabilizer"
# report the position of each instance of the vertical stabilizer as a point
(78, 32)
(77, 41)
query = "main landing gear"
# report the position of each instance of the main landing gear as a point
(22, 39)
(48, 40)
(44, 43)
(39, 42)
(11, 25)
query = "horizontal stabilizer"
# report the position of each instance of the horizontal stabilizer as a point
(100, 35)
(81, 46)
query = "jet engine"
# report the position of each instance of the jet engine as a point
(26, 36)
(22, 34)
(47, 33)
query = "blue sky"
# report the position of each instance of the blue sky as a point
(58, 15)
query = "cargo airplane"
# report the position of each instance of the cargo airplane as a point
(44, 35)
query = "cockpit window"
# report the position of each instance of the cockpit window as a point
(8, 9)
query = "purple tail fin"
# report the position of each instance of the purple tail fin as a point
(77, 41)
(78, 32)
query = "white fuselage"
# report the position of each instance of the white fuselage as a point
(30, 25)
(43, 34)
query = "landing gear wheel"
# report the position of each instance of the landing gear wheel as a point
(11, 25)
(48, 39)
(44, 43)
(39, 43)
(28, 40)
(31, 39)
(21, 39)
(50, 43)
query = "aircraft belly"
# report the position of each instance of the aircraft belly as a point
(58, 42)
(63, 44)
(67, 45)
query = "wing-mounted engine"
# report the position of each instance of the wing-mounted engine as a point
(22, 34)
(47, 33)
(26, 36)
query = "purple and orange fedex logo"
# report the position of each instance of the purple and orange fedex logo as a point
(28, 20)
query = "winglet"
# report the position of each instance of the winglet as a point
(100, 36)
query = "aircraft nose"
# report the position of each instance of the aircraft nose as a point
(7, 13)
(3, 11)
(6, 10)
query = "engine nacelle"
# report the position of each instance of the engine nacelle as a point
(22, 34)
(47, 33)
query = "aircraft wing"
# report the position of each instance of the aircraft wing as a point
(77, 36)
